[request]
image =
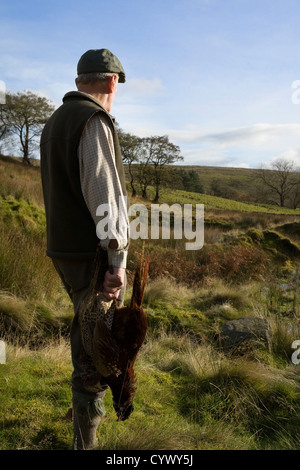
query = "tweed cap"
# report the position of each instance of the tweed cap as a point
(100, 60)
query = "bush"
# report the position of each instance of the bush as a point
(234, 263)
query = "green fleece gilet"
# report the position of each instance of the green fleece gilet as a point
(71, 231)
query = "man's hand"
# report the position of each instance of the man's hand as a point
(113, 283)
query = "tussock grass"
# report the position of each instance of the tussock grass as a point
(20, 181)
(213, 387)
(167, 290)
(25, 270)
(283, 334)
(24, 321)
(160, 433)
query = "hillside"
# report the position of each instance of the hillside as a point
(192, 392)
(243, 183)
(236, 184)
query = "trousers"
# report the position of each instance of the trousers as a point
(76, 276)
(88, 406)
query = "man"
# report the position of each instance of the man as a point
(82, 172)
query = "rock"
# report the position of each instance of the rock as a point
(244, 330)
(284, 286)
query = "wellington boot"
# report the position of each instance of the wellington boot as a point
(87, 416)
(85, 432)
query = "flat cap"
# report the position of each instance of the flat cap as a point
(100, 60)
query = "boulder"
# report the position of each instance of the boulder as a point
(245, 330)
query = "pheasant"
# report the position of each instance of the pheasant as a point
(112, 337)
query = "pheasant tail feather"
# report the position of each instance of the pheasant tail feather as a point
(140, 279)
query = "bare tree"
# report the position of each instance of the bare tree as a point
(145, 170)
(3, 128)
(4, 132)
(130, 149)
(295, 194)
(24, 115)
(147, 159)
(280, 180)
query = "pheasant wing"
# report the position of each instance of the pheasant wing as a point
(106, 353)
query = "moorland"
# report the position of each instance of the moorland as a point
(192, 392)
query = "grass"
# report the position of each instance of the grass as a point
(25, 269)
(36, 388)
(191, 394)
(20, 181)
(190, 397)
(213, 202)
(30, 322)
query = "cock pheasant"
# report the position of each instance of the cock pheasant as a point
(112, 337)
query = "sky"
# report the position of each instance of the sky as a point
(221, 78)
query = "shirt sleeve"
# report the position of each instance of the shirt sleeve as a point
(101, 188)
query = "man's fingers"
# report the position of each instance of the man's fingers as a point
(111, 295)
(113, 280)
(112, 285)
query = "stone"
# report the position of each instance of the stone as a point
(244, 330)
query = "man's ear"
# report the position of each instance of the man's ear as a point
(112, 82)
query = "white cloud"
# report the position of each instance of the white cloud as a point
(255, 134)
(290, 155)
(50, 77)
(144, 86)
(237, 165)
(136, 105)
(244, 147)
(137, 89)
(204, 156)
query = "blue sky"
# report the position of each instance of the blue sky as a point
(214, 75)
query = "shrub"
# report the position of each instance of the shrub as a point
(234, 263)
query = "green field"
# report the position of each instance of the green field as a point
(170, 196)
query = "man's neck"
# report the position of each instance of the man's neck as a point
(103, 98)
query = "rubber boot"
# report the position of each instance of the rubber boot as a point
(87, 415)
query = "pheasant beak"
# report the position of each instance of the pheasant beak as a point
(123, 412)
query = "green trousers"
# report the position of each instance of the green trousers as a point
(87, 406)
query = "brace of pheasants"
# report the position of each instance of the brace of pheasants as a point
(112, 337)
